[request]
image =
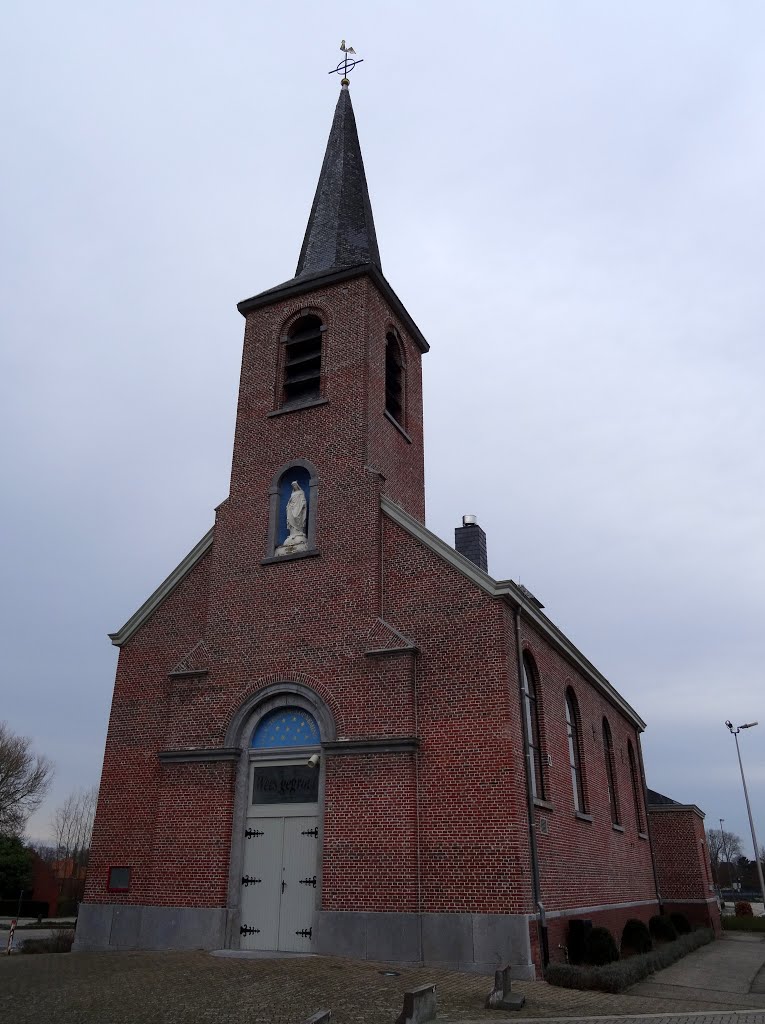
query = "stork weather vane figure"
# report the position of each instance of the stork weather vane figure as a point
(347, 64)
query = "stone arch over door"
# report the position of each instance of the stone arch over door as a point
(242, 727)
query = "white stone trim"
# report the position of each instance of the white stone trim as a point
(511, 592)
(163, 591)
(581, 911)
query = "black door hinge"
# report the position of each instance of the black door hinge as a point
(307, 932)
(309, 881)
(250, 832)
(247, 930)
(311, 832)
(246, 880)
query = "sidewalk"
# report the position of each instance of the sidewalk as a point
(186, 988)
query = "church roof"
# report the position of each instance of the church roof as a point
(341, 229)
(340, 241)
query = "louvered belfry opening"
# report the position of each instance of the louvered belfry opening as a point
(302, 361)
(394, 378)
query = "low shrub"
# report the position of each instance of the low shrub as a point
(600, 947)
(743, 924)
(681, 923)
(60, 942)
(742, 908)
(636, 938)
(615, 977)
(662, 929)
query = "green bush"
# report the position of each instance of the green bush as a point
(662, 929)
(742, 908)
(743, 924)
(636, 938)
(600, 947)
(615, 977)
(681, 923)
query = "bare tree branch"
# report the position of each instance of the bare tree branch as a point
(24, 780)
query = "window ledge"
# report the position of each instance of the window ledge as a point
(397, 425)
(581, 816)
(617, 828)
(544, 804)
(642, 835)
(272, 559)
(298, 407)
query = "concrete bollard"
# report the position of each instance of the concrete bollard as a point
(321, 1017)
(419, 1005)
(500, 997)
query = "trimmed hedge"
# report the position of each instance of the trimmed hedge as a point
(661, 928)
(681, 923)
(620, 975)
(600, 947)
(743, 924)
(743, 908)
(636, 938)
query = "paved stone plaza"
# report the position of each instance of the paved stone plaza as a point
(175, 988)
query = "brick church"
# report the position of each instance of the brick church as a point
(332, 732)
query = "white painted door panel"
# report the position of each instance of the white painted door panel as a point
(299, 895)
(261, 899)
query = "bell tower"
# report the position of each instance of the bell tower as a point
(330, 411)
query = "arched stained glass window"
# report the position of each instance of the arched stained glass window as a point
(533, 731)
(608, 753)
(575, 750)
(286, 727)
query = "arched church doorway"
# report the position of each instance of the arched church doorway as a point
(281, 832)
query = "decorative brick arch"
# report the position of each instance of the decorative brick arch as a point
(269, 695)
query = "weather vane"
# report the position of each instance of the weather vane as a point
(346, 64)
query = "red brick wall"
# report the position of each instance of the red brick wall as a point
(682, 863)
(312, 620)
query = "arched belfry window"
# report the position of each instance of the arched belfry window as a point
(533, 731)
(286, 727)
(394, 378)
(301, 380)
(294, 499)
(608, 754)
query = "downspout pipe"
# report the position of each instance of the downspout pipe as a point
(536, 888)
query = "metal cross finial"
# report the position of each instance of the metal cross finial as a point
(347, 64)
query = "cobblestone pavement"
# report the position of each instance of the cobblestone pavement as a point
(196, 988)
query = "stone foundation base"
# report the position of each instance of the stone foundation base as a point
(466, 942)
(109, 926)
(463, 942)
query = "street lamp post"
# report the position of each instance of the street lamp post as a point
(734, 732)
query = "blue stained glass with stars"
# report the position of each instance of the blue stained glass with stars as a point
(286, 727)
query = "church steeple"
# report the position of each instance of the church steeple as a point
(341, 230)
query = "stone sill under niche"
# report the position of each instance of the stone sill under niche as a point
(298, 407)
(581, 816)
(544, 804)
(273, 559)
(643, 835)
(617, 828)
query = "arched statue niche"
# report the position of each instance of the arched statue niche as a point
(293, 495)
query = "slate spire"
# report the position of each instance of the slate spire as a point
(341, 231)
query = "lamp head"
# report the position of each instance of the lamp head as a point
(749, 725)
(730, 725)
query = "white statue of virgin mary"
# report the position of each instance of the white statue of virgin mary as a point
(297, 516)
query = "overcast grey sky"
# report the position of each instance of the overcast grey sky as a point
(569, 199)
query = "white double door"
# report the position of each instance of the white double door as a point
(279, 880)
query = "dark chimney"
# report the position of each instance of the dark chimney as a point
(470, 541)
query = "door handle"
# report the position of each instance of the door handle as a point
(283, 885)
